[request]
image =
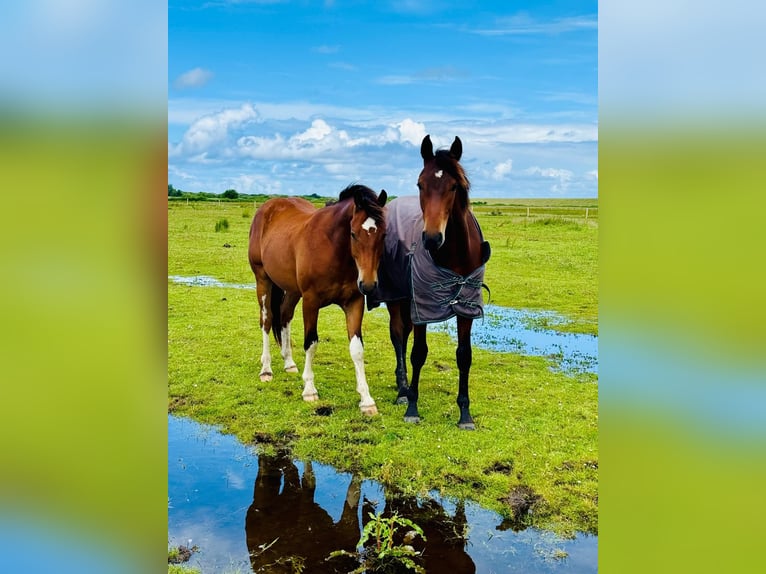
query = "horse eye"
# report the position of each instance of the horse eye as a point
(353, 235)
(454, 187)
(419, 186)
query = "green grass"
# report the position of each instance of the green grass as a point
(535, 428)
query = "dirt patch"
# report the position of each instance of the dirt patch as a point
(181, 554)
(522, 501)
(501, 467)
(324, 411)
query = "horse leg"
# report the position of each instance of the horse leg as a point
(354, 312)
(310, 342)
(418, 359)
(463, 356)
(287, 311)
(263, 289)
(399, 327)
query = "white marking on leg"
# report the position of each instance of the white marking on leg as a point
(287, 350)
(369, 225)
(309, 390)
(265, 358)
(356, 349)
(439, 173)
(264, 310)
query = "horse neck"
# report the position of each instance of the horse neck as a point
(460, 251)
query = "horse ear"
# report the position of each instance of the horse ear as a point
(382, 197)
(457, 149)
(427, 149)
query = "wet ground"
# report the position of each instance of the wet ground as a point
(502, 329)
(251, 513)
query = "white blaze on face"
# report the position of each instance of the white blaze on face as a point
(439, 174)
(369, 225)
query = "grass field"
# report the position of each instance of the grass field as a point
(536, 428)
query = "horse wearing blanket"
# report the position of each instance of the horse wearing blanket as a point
(432, 269)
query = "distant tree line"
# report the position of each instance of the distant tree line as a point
(231, 195)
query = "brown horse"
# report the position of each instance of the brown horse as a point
(327, 255)
(443, 270)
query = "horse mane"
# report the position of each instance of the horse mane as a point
(446, 161)
(369, 201)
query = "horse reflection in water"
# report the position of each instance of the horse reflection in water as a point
(287, 531)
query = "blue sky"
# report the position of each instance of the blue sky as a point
(300, 97)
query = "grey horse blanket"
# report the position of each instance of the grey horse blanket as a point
(408, 271)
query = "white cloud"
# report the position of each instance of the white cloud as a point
(523, 24)
(319, 130)
(564, 176)
(298, 147)
(502, 169)
(411, 131)
(214, 128)
(194, 78)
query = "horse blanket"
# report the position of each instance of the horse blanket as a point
(407, 270)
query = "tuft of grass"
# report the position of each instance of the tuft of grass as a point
(222, 225)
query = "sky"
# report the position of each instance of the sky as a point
(299, 97)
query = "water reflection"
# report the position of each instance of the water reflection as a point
(297, 513)
(288, 531)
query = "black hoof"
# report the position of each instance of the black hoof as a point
(415, 420)
(401, 400)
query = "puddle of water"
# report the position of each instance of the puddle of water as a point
(520, 331)
(502, 329)
(253, 513)
(206, 281)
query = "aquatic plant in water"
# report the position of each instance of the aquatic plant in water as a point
(380, 553)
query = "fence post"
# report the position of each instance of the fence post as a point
(527, 211)
(586, 214)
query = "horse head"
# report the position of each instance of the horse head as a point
(443, 187)
(368, 229)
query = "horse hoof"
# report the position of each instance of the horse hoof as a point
(466, 426)
(311, 398)
(291, 369)
(370, 411)
(401, 400)
(266, 377)
(414, 420)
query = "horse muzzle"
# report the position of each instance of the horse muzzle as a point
(367, 288)
(433, 241)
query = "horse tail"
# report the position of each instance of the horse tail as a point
(277, 295)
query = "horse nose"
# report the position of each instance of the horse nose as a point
(367, 288)
(433, 241)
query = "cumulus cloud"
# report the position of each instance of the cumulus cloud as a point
(194, 78)
(502, 169)
(214, 128)
(564, 176)
(319, 130)
(411, 131)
